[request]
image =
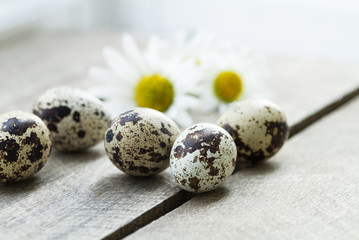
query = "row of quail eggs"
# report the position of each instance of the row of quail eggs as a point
(141, 141)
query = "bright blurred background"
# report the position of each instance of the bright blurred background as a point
(326, 29)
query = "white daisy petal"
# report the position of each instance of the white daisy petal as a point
(153, 46)
(100, 92)
(115, 92)
(133, 53)
(222, 108)
(208, 103)
(103, 75)
(186, 101)
(182, 118)
(153, 53)
(119, 65)
(119, 106)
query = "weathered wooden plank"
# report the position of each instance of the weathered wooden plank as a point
(31, 65)
(310, 83)
(78, 196)
(83, 196)
(308, 191)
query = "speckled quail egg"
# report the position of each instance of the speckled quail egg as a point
(76, 119)
(139, 141)
(25, 145)
(258, 127)
(202, 157)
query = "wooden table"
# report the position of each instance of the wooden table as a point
(310, 190)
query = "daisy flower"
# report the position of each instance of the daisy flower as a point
(146, 79)
(228, 77)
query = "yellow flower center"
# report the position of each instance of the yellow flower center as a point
(228, 86)
(154, 92)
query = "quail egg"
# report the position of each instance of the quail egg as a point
(258, 127)
(139, 141)
(25, 145)
(76, 119)
(202, 157)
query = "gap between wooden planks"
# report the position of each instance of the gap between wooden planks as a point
(182, 196)
(83, 196)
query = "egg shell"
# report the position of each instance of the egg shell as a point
(25, 145)
(258, 127)
(76, 119)
(139, 141)
(202, 157)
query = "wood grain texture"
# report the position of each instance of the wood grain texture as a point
(310, 84)
(308, 191)
(82, 196)
(77, 196)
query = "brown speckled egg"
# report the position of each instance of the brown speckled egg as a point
(202, 157)
(25, 145)
(76, 119)
(139, 141)
(258, 127)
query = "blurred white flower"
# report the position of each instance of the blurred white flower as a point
(227, 74)
(146, 79)
(231, 76)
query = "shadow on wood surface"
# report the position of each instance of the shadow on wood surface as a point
(212, 196)
(16, 188)
(81, 157)
(262, 168)
(128, 184)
